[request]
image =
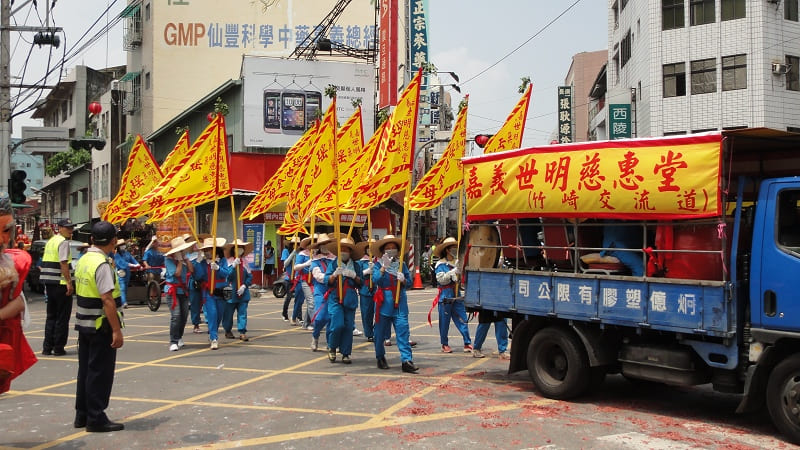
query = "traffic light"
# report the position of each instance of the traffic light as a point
(87, 143)
(482, 139)
(17, 186)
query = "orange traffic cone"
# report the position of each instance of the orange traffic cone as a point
(417, 281)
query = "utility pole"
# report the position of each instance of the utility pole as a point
(5, 93)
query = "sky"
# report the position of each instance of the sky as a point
(465, 37)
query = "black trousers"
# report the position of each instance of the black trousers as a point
(59, 310)
(288, 299)
(96, 362)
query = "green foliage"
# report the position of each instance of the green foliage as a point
(220, 107)
(383, 116)
(525, 82)
(180, 130)
(356, 102)
(330, 91)
(428, 67)
(64, 161)
(462, 104)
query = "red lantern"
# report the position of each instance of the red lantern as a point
(211, 116)
(554, 142)
(95, 108)
(482, 139)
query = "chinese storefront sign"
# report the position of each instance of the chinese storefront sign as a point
(564, 114)
(388, 53)
(254, 232)
(619, 121)
(419, 35)
(649, 179)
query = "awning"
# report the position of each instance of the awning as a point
(130, 76)
(131, 10)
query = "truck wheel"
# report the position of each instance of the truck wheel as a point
(153, 296)
(783, 397)
(558, 364)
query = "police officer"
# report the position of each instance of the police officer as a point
(99, 326)
(56, 276)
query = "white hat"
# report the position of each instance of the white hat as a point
(178, 244)
(209, 243)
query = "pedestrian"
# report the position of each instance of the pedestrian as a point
(287, 261)
(344, 277)
(391, 302)
(16, 356)
(448, 274)
(212, 274)
(99, 324)
(302, 271)
(124, 262)
(500, 334)
(240, 278)
(269, 264)
(319, 266)
(56, 275)
(153, 259)
(177, 275)
(367, 291)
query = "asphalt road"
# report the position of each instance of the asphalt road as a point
(274, 392)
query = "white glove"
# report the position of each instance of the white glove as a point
(302, 265)
(200, 257)
(214, 266)
(456, 263)
(135, 266)
(401, 277)
(154, 238)
(236, 262)
(349, 273)
(370, 265)
(337, 272)
(385, 260)
(367, 271)
(240, 291)
(121, 273)
(454, 275)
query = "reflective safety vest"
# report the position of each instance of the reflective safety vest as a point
(89, 312)
(51, 265)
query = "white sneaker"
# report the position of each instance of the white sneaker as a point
(357, 332)
(314, 344)
(180, 343)
(214, 345)
(309, 327)
(173, 347)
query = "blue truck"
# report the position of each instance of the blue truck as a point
(711, 296)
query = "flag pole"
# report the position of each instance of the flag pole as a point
(191, 225)
(311, 242)
(235, 243)
(406, 202)
(460, 227)
(369, 236)
(337, 225)
(212, 281)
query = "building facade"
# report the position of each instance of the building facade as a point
(696, 65)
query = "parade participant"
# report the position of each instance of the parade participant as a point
(195, 293)
(14, 266)
(287, 261)
(213, 260)
(153, 259)
(385, 276)
(500, 334)
(177, 276)
(342, 310)
(319, 265)
(302, 271)
(99, 325)
(447, 275)
(240, 297)
(269, 264)
(367, 291)
(57, 279)
(124, 262)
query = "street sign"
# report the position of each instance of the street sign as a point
(45, 139)
(619, 119)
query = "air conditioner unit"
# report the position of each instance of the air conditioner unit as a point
(779, 69)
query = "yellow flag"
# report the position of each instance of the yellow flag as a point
(140, 177)
(391, 170)
(446, 176)
(320, 173)
(510, 135)
(350, 161)
(276, 189)
(177, 153)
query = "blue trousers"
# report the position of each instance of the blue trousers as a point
(123, 289)
(342, 321)
(215, 308)
(458, 313)
(367, 304)
(631, 260)
(322, 319)
(241, 317)
(500, 333)
(177, 317)
(299, 297)
(384, 328)
(195, 302)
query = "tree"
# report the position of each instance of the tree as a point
(64, 161)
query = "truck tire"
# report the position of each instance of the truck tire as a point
(558, 364)
(783, 397)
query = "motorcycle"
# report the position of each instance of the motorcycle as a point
(281, 287)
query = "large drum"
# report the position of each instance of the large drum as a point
(484, 246)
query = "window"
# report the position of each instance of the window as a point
(63, 199)
(671, 14)
(64, 110)
(147, 11)
(788, 220)
(74, 196)
(70, 107)
(147, 80)
(734, 72)
(793, 129)
(793, 73)
(625, 49)
(704, 76)
(701, 12)
(674, 80)
(790, 10)
(733, 9)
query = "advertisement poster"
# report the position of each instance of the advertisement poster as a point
(283, 97)
(254, 232)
